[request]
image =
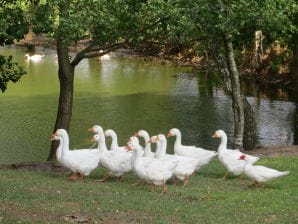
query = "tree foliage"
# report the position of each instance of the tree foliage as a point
(207, 20)
(12, 26)
(9, 71)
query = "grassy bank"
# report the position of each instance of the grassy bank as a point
(37, 197)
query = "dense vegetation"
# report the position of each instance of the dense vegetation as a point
(12, 26)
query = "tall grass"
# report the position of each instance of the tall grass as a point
(36, 197)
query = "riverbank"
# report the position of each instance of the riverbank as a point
(275, 151)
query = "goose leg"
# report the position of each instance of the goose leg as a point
(139, 182)
(241, 176)
(164, 188)
(175, 180)
(80, 176)
(105, 178)
(74, 176)
(255, 184)
(186, 181)
(225, 176)
(153, 188)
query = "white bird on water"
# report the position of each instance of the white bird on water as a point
(35, 57)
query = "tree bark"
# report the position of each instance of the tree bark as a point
(237, 104)
(250, 126)
(222, 65)
(294, 66)
(66, 78)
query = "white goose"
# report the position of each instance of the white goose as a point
(186, 165)
(81, 161)
(151, 170)
(260, 174)
(230, 157)
(116, 161)
(104, 57)
(114, 145)
(35, 57)
(147, 148)
(204, 155)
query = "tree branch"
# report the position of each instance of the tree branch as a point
(95, 50)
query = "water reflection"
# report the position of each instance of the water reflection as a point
(128, 95)
(275, 121)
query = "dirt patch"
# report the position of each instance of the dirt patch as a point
(36, 166)
(275, 151)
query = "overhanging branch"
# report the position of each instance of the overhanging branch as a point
(95, 50)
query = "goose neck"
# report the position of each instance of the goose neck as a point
(223, 143)
(59, 150)
(64, 144)
(164, 147)
(136, 156)
(114, 144)
(102, 142)
(147, 149)
(158, 152)
(146, 137)
(178, 139)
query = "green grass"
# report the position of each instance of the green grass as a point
(36, 197)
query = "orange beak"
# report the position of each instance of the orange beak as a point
(215, 135)
(128, 148)
(93, 139)
(169, 134)
(53, 136)
(91, 129)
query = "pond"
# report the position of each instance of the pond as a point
(127, 95)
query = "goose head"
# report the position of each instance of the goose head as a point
(162, 137)
(219, 134)
(133, 146)
(109, 133)
(173, 132)
(141, 133)
(58, 134)
(134, 139)
(249, 159)
(154, 139)
(96, 129)
(95, 138)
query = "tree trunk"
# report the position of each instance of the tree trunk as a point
(258, 51)
(66, 78)
(250, 126)
(222, 66)
(294, 66)
(237, 104)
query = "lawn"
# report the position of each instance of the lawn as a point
(44, 197)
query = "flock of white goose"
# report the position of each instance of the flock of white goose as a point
(158, 167)
(39, 57)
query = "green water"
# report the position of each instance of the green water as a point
(125, 95)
